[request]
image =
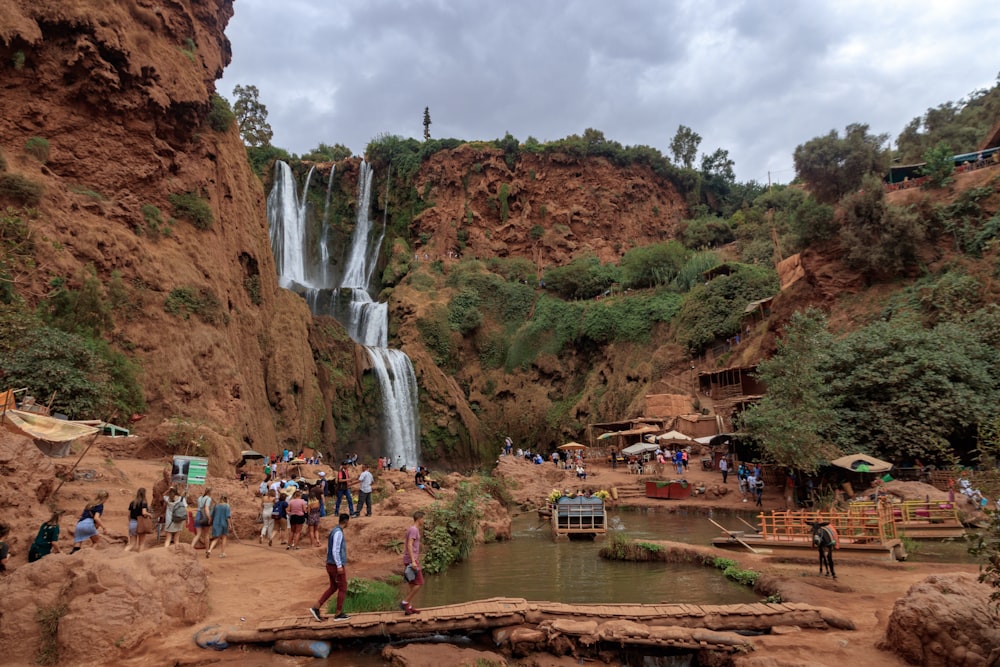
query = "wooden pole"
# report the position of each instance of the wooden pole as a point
(93, 439)
(733, 536)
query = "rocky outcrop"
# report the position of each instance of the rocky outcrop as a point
(95, 606)
(961, 630)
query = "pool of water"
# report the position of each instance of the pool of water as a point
(534, 566)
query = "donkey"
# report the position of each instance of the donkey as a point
(824, 539)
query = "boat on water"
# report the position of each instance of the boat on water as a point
(791, 532)
(579, 518)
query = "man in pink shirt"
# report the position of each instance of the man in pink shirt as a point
(412, 572)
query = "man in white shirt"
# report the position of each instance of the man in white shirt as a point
(365, 480)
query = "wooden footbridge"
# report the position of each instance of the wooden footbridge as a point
(561, 627)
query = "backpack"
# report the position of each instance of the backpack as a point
(179, 513)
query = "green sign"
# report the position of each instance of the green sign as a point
(189, 470)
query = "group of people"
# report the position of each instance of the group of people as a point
(751, 480)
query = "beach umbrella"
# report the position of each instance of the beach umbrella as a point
(862, 463)
(251, 454)
(572, 446)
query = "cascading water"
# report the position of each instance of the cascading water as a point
(366, 321)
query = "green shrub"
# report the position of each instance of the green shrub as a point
(18, 60)
(367, 595)
(20, 190)
(502, 199)
(463, 312)
(189, 48)
(436, 334)
(186, 301)
(252, 286)
(38, 148)
(87, 192)
(88, 378)
(513, 269)
(451, 530)
(3, 162)
(48, 625)
(537, 231)
(192, 207)
(221, 116)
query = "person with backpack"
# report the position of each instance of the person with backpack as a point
(176, 515)
(279, 513)
(203, 519)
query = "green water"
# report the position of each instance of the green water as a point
(534, 566)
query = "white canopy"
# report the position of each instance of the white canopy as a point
(638, 448)
(674, 436)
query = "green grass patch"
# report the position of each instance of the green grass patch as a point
(194, 208)
(38, 148)
(20, 190)
(365, 595)
(186, 301)
(87, 192)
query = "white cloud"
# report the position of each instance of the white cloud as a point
(756, 78)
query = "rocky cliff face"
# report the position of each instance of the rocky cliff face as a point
(121, 92)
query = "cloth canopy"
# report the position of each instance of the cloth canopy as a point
(46, 428)
(638, 431)
(609, 434)
(673, 436)
(572, 446)
(639, 448)
(862, 463)
(251, 454)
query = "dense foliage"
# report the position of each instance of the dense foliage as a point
(833, 166)
(896, 388)
(251, 114)
(713, 310)
(87, 378)
(960, 125)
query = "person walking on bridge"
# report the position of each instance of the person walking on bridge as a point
(412, 572)
(336, 560)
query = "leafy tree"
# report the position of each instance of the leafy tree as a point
(706, 231)
(583, 278)
(939, 165)
(832, 166)
(880, 240)
(653, 265)
(961, 125)
(718, 165)
(911, 391)
(793, 421)
(427, 123)
(84, 310)
(713, 311)
(325, 153)
(221, 115)
(684, 146)
(251, 114)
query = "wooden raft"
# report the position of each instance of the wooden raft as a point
(673, 625)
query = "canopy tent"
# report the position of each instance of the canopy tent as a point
(571, 446)
(639, 448)
(862, 463)
(639, 431)
(705, 440)
(674, 436)
(52, 436)
(251, 454)
(609, 434)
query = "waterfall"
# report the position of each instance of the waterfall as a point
(366, 321)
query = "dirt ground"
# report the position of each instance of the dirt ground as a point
(256, 582)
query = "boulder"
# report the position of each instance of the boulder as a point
(962, 631)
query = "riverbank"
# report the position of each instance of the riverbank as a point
(143, 620)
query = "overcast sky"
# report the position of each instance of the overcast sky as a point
(757, 77)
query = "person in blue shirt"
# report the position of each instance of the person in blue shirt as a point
(336, 560)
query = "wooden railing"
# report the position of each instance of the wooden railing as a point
(875, 528)
(912, 511)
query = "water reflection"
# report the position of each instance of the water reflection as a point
(536, 567)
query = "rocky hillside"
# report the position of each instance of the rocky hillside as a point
(108, 118)
(119, 95)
